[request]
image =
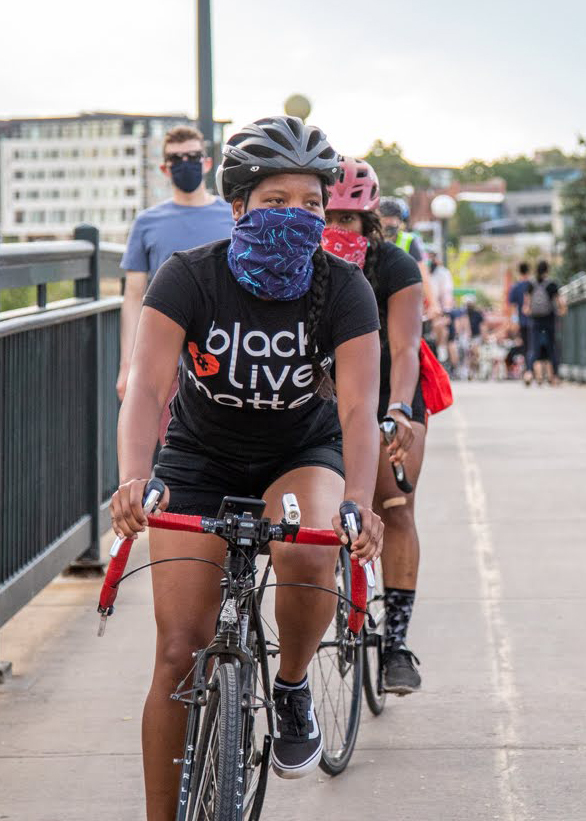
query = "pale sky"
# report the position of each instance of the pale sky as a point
(447, 80)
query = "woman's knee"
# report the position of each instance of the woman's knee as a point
(305, 565)
(174, 650)
(398, 513)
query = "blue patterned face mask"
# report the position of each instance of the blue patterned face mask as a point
(271, 250)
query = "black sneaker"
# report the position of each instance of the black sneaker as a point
(399, 673)
(297, 742)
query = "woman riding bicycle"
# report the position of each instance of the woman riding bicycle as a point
(256, 320)
(354, 233)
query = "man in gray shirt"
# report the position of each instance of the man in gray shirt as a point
(191, 217)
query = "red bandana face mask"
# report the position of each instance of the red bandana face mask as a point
(345, 244)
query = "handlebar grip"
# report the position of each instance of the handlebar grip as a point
(352, 524)
(359, 595)
(389, 429)
(402, 482)
(115, 572)
(153, 491)
(351, 521)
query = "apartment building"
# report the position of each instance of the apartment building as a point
(99, 168)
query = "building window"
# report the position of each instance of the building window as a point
(130, 151)
(19, 216)
(19, 175)
(130, 192)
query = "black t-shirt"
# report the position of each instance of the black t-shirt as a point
(245, 376)
(395, 270)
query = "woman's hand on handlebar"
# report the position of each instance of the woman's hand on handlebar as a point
(403, 440)
(369, 544)
(126, 508)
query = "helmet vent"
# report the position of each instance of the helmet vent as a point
(295, 126)
(314, 139)
(261, 151)
(278, 138)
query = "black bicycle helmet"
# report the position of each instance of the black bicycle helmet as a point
(275, 145)
(392, 207)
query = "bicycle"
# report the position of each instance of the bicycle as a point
(224, 768)
(339, 672)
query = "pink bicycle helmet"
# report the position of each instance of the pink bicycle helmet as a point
(356, 189)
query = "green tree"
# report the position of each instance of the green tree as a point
(475, 171)
(574, 209)
(518, 172)
(464, 220)
(393, 170)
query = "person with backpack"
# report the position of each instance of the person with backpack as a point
(542, 304)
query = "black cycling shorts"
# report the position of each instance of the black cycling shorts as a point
(198, 482)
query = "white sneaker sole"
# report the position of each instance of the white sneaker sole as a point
(283, 771)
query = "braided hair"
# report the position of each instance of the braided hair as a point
(322, 381)
(372, 230)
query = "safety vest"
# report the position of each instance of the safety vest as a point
(404, 240)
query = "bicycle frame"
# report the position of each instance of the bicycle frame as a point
(239, 625)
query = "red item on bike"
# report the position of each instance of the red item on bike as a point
(359, 593)
(115, 572)
(435, 382)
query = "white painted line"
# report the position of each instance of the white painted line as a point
(499, 646)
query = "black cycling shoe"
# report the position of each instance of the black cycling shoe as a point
(297, 742)
(399, 674)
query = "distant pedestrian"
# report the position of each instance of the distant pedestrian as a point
(442, 286)
(190, 218)
(517, 299)
(542, 304)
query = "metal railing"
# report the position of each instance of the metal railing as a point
(573, 330)
(58, 412)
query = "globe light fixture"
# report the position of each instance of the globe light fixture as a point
(298, 106)
(443, 207)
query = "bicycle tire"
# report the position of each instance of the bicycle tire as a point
(336, 683)
(372, 639)
(256, 755)
(217, 793)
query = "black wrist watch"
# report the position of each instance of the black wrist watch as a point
(403, 407)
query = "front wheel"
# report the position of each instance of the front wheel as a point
(335, 676)
(217, 789)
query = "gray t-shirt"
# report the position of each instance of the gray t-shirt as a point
(168, 227)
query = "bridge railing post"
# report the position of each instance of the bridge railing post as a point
(90, 288)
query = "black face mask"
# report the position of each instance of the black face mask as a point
(432, 266)
(391, 231)
(187, 175)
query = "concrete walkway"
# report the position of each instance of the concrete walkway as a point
(497, 732)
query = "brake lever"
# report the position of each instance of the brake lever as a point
(389, 429)
(152, 496)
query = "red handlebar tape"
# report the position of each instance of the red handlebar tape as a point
(192, 524)
(114, 574)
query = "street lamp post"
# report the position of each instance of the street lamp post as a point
(204, 73)
(443, 208)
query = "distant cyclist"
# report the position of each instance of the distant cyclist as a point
(354, 233)
(394, 216)
(256, 320)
